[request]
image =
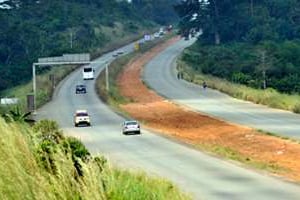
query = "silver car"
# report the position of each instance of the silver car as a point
(131, 126)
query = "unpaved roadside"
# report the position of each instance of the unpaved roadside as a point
(240, 143)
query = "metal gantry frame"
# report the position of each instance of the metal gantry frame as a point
(34, 65)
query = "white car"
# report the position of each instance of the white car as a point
(81, 117)
(130, 126)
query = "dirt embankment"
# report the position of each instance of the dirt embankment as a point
(244, 144)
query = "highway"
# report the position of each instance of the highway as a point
(214, 103)
(195, 172)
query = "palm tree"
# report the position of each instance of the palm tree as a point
(16, 115)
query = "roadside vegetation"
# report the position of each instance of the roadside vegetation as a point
(234, 155)
(249, 51)
(269, 97)
(38, 162)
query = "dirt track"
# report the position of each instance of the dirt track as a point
(201, 130)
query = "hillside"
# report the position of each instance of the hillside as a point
(30, 29)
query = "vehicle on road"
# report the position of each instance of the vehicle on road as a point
(81, 117)
(80, 89)
(131, 126)
(120, 52)
(115, 54)
(88, 73)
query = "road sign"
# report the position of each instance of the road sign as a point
(9, 101)
(83, 57)
(147, 37)
(136, 46)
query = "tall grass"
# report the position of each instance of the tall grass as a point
(23, 177)
(268, 97)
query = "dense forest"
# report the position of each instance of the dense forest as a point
(30, 29)
(251, 42)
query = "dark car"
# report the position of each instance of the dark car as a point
(80, 89)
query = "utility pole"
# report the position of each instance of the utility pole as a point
(251, 8)
(71, 39)
(34, 88)
(106, 77)
(263, 57)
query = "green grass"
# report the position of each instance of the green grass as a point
(278, 136)
(23, 177)
(268, 97)
(229, 153)
(137, 185)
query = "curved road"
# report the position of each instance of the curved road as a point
(214, 103)
(197, 173)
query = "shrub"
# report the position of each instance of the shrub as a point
(296, 108)
(77, 148)
(78, 153)
(45, 156)
(100, 161)
(48, 130)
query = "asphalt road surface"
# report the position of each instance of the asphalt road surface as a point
(197, 173)
(161, 75)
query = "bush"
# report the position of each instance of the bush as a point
(48, 130)
(79, 153)
(101, 162)
(77, 148)
(296, 108)
(45, 156)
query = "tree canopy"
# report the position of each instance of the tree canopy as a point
(241, 20)
(252, 42)
(32, 29)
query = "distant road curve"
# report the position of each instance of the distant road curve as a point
(160, 74)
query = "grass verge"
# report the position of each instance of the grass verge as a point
(268, 97)
(229, 153)
(34, 166)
